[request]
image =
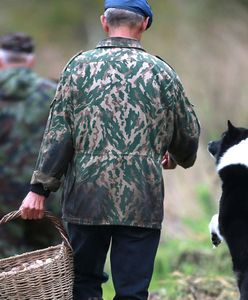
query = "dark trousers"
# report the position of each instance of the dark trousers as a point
(132, 254)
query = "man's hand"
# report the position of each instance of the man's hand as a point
(32, 206)
(168, 162)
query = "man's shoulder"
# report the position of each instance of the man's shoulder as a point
(40, 93)
(40, 79)
(81, 56)
(160, 63)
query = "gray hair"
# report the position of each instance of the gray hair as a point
(118, 17)
(15, 57)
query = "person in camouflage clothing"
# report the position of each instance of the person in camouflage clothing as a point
(118, 113)
(24, 107)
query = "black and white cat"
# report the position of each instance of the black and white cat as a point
(231, 224)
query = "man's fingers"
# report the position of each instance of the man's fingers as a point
(26, 213)
(41, 210)
(168, 162)
(31, 213)
(164, 161)
(23, 213)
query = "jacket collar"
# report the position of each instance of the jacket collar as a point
(120, 42)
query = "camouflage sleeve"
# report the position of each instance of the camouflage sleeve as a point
(184, 144)
(7, 122)
(57, 148)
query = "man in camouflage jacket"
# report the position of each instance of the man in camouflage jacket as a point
(24, 106)
(117, 112)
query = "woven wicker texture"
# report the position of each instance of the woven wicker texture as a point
(42, 274)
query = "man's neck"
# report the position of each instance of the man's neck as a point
(125, 32)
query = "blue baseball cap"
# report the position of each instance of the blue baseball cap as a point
(140, 7)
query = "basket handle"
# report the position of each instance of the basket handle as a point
(54, 220)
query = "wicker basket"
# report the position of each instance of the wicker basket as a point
(42, 274)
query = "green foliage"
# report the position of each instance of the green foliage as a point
(205, 199)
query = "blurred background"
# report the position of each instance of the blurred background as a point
(206, 41)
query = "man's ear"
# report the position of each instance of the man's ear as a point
(31, 62)
(104, 23)
(145, 23)
(2, 65)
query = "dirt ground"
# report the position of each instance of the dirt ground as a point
(200, 288)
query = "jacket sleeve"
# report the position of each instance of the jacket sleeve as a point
(185, 139)
(56, 150)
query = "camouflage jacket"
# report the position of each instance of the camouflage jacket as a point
(24, 107)
(117, 110)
